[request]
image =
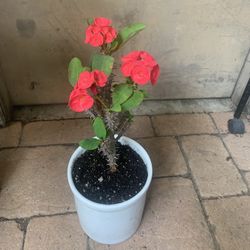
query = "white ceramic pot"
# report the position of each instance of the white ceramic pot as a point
(111, 224)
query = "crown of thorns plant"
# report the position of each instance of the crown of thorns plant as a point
(96, 92)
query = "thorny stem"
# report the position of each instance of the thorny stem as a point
(101, 101)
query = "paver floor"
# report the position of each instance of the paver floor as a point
(199, 198)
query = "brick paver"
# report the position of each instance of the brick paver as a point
(165, 155)
(141, 127)
(183, 124)
(213, 170)
(10, 135)
(11, 237)
(221, 119)
(33, 181)
(56, 132)
(247, 176)
(173, 220)
(230, 218)
(57, 232)
(239, 147)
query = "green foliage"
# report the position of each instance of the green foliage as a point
(90, 144)
(130, 31)
(145, 93)
(134, 101)
(121, 93)
(116, 107)
(74, 70)
(103, 63)
(90, 20)
(125, 34)
(99, 128)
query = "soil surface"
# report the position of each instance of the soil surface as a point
(94, 181)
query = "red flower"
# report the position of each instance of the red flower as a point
(126, 68)
(141, 67)
(100, 78)
(109, 34)
(102, 21)
(140, 74)
(79, 100)
(100, 32)
(131, 57)
(85, 80)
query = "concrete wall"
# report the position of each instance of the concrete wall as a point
(200, 45)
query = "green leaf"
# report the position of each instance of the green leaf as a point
(103, 63)
(121, 93)
(90, 144)
(134, 101)
(99, 128)
(130, 31)
(74, 70)
(116, 107)
(90, 20)
(125, 34)
(145, 93)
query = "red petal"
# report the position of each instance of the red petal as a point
(79, 100)
(100, 78)
(102, 21)
(140, 74)
(86, 79)
(155, 74)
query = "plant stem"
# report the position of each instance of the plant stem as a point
(101, 101)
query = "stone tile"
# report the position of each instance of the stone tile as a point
(33, 181)
(231, 220)
(221, 119)
(11, 237)
(56, 132)
(10, 135)
(165, 155)
(239, 147)
(183, 124)
(173, 220)
(141, 127)
(247, 176)
(211, 166)
(56, 232)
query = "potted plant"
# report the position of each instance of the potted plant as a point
(110, 174)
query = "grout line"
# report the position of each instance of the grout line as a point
(21, 135)
(23, 224)
(88, 245)
(184, 176)
(25, 121)
(17, 220)
(136, 138)
(223, 197)
(41, 146)
(209, 225)
(152, 125)
(232, 158)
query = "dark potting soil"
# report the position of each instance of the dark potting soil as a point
(93, 179)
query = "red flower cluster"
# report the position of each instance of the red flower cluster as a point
(141, 67)
(79, 99)
(100, 32)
